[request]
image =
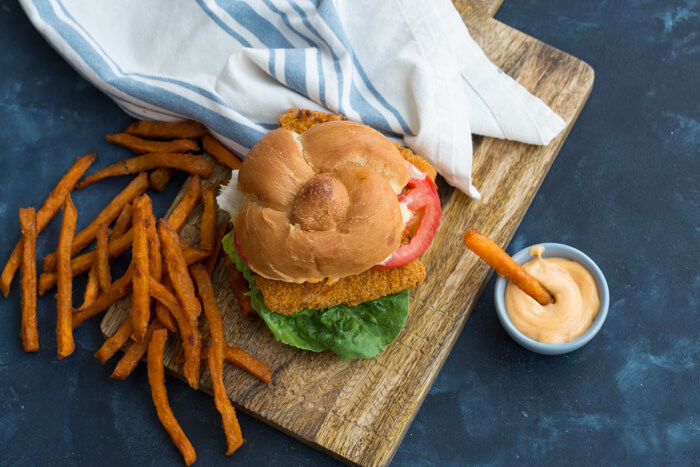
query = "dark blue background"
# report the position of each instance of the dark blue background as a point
(624, 189)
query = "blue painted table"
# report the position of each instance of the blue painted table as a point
(624, 189)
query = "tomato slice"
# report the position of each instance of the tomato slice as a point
(421, 198)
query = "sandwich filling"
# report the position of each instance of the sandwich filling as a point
(340, 299)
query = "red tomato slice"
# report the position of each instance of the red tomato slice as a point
(420, 196)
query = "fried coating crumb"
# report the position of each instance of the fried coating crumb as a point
(418, 161)
(300, 120)
(286, 298)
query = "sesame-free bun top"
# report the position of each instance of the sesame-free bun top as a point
(320, 205)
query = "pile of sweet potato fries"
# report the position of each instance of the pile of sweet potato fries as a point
(170, 280)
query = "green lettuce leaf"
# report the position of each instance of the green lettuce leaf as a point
(360, 331)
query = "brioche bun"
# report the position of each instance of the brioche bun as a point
(320, 205)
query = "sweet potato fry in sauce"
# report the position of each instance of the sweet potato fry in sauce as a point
(114, 343)
(220, 153)
(144, 146)
(28, 331)
(141, 299)
(165, 130)
(506, 266)
(64, 297)
(232, 429)
(195, 165)
(160, 177)
(156, 379)
(83, 238)
(46, 213)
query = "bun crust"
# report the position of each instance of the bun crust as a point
(320, 205)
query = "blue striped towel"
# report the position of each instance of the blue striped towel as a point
(408, 68)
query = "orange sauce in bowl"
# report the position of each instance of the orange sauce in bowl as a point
(576, 305)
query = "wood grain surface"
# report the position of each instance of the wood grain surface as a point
(359, 410)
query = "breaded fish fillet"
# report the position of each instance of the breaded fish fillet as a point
(286, 298)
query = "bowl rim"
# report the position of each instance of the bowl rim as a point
(562, 251)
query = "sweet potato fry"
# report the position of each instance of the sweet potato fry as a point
(82, 263)
(177, 269)
(232, 430)
(185, 162)
(160, 177)
(64, 297)
(123, 222)
(240, 358)
(28, 330)
(114, 343)
(193, 255)
(220, 153)
(207, 224)
(184, 289)
(104, 277)
(164, 130)
(46, 213)
(83, 238)
(119, 289)
(240, 288)
(144, 146)
(156, 379)
(164, 315)
(184, 208)
(92, 287)
(155, 258)
(210, 263)
(506, 267)
(141, 299)
(134, 353)
(191, 339)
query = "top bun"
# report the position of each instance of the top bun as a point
(320, 205)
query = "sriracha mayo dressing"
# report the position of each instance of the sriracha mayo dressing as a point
(576, 300)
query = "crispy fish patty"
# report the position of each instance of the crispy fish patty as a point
(286, 297)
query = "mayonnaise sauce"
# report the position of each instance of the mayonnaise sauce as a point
(576, 300)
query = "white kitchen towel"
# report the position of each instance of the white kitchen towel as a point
(408, 68)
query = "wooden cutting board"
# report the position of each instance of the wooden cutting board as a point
(359, 411)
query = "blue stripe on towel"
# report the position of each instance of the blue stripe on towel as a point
(336, 65)
(245, 135)
(295, 70)
(327, 11)
(223, 25)
(260, 27)
(319, 65)
(367, 112)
